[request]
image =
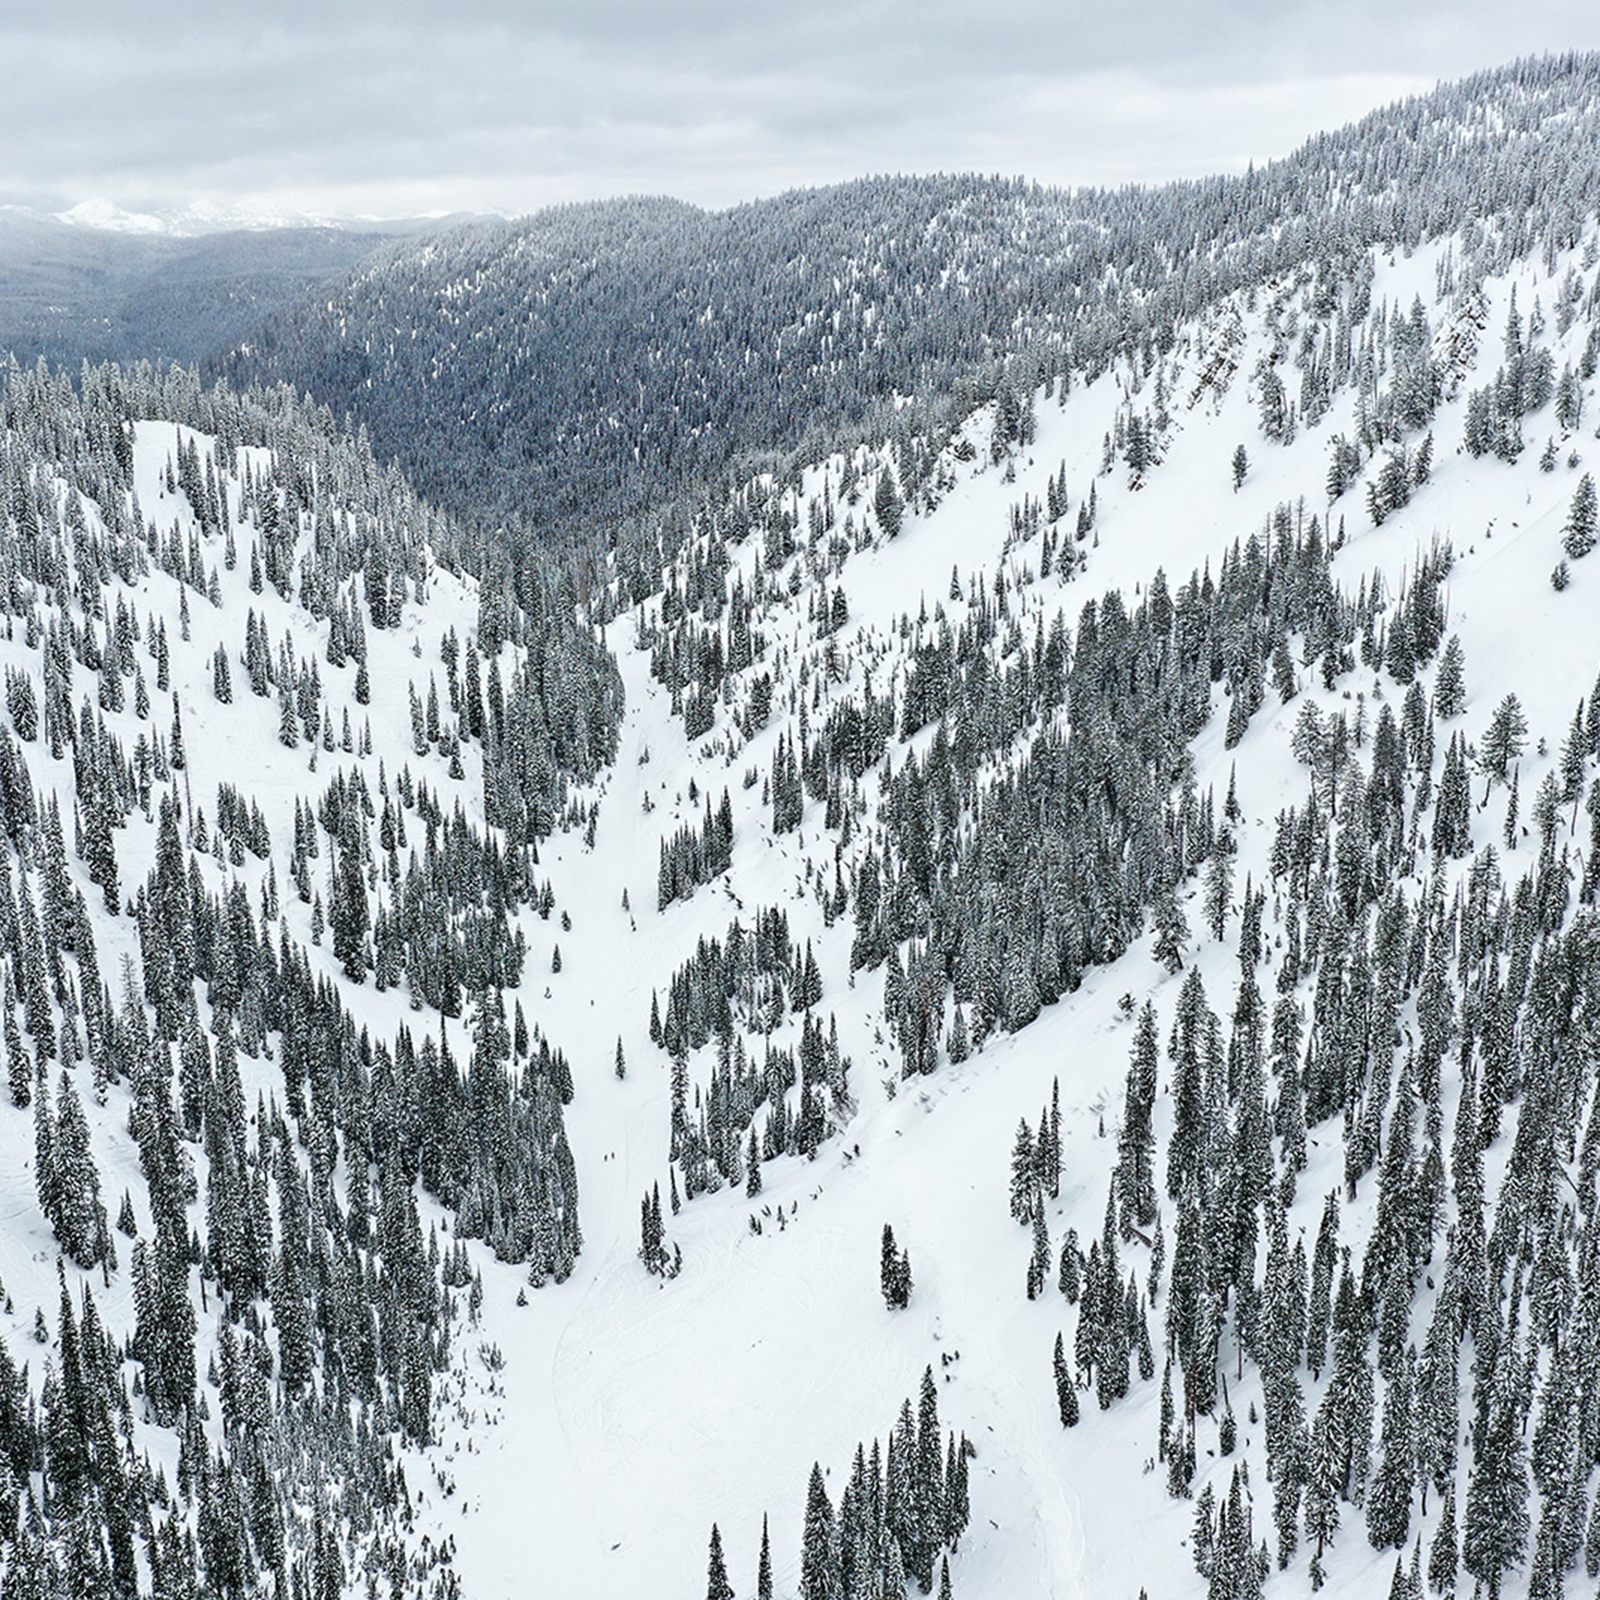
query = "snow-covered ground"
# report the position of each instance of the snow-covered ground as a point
(630, 1412)
(634, 1411)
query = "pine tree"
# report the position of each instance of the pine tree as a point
(79, 1219)
(1503, 739)
(717, 1585)
(1186, 1148)
(1067, 1277)
(1578, 537)
(1066, 1389)
(1170, 928)
(1047, 1147)
(1389, 1499)
(1494, 1534)
(349, 916)
(1136, 1144)
(1319, 1303)
(652, 1248)
(1449, 681)
(927, 1520)
(1219, 886)
(1574, 754)
(887, 504)
(1444, 1557)
(288, 719)
(19, 1070)
(1024, 1176)
(959, 1047)
(1039, 1257)
(894, 1272)
(1323, 1480)
(819, 1566)
(1452, 816)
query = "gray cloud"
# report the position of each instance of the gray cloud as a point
(403, 107)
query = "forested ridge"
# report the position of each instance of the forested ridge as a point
(164, 943)
(1036, 847)
(618, 359)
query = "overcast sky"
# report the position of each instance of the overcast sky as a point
(407, 107)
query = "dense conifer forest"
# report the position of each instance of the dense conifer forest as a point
(1070, 898)
(598, 361)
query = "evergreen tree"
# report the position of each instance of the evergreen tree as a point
(349, 916)
(1504, 737)
(819, 1564)
(1039, 1257)
(1066, 1389)
(1170, 927)
(894, 1272)
(1578, 537)
(1219, 887)
(1389, 1500)
(1024, 1176)
(1494, 1533)
(79, 1218)
(652, 1250)
(1136, 1143)
(717, 1585)
(1443, 1556)
(1449, 681)
(887, 504)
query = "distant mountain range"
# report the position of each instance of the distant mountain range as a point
(100, 283)
(201, 217)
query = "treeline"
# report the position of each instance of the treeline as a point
(902, 1511)
(273, 1245)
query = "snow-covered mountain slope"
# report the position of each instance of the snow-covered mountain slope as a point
(218, 703)
(637, 1410)
(443, 968)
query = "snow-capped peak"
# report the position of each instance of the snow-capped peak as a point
(191, 220)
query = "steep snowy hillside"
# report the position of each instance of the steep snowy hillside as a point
(814, 656)
(1017, 1009)
(245, 887)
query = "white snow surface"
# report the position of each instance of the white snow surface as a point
(631, 1413)
(635, 1412)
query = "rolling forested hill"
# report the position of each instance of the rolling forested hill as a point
(604, 361)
